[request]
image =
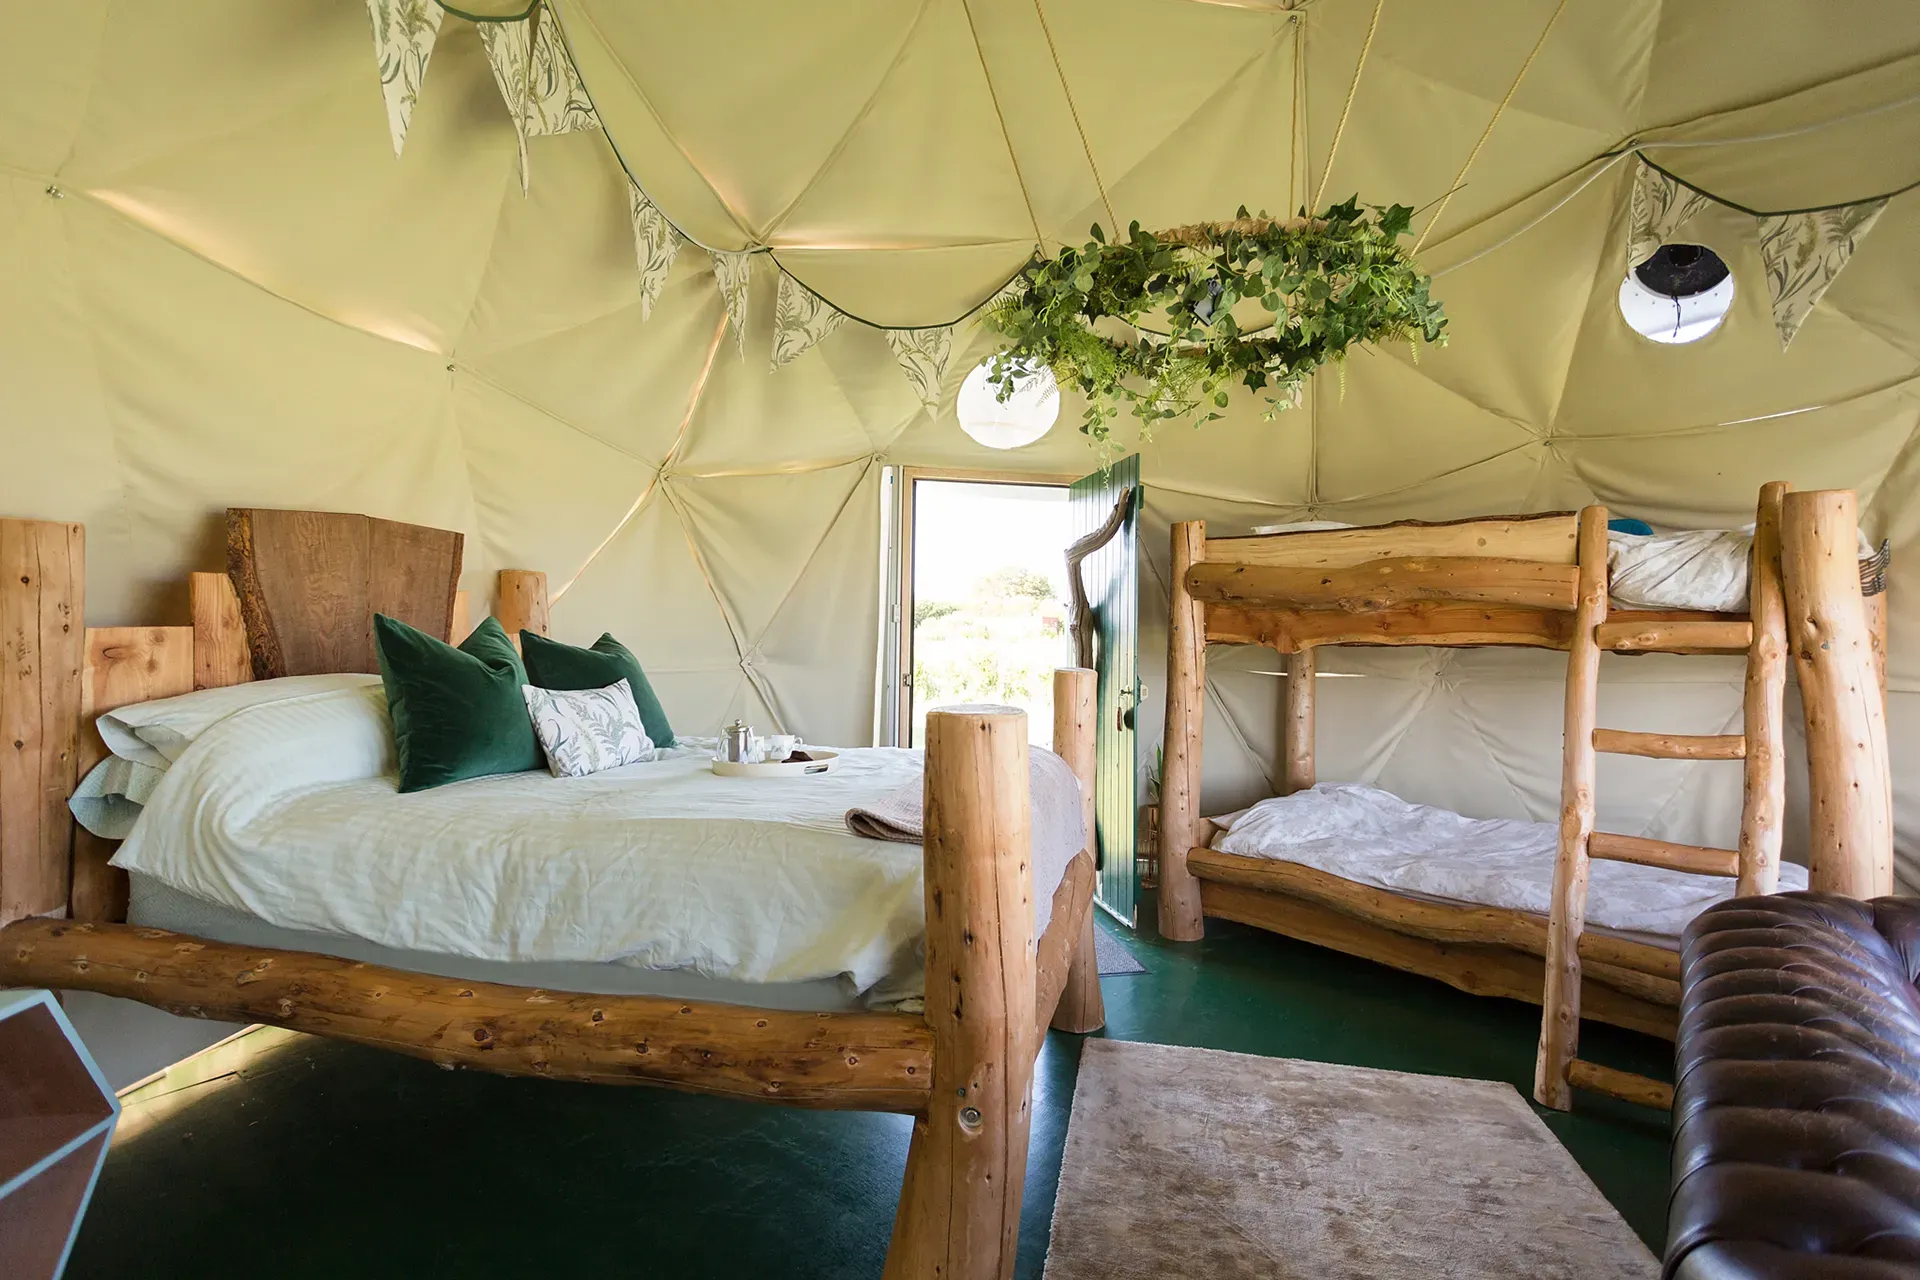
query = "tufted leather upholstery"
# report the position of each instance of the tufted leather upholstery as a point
(1796, 1145)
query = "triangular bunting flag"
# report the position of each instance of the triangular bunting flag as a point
(403, 35)
(922, 354)
(537, 80)
(801, 318)
(1803, 252)
(655, 244)
(1659, 207)
(733, 270)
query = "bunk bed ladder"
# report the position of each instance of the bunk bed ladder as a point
(1558, 1068)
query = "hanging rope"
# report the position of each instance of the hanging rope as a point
(1112, 217)
(1366, 47)
(1488, 131)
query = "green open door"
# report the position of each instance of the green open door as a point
(1110, 577)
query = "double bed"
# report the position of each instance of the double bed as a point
(649, 924)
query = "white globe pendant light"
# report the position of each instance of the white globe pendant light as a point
(1026, 415)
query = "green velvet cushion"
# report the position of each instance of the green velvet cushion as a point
(552, 665)
(457, 713)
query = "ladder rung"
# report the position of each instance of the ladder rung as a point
(1672, 636)
(1624, 1085)
(1672, 746)
(1698, 859)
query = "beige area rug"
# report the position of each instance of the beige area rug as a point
(1192, 1162)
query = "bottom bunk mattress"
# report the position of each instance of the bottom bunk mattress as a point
(1373, 837)
(277, 821)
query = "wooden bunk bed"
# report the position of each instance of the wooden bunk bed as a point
(1536, 581)
(297, 600)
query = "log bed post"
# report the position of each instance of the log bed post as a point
(1849, 785)
(959, 1215)
(1560, 1001)
(43, 573)
(1180, 915)
(1764, 780)
(1074, 688)
(1296, 722)
(523, 603)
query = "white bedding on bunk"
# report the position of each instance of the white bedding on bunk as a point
(1372, 837)
(287, 809)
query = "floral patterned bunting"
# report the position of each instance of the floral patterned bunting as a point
(923, 354)
(1803, 253)
(1658, 209)
(403, 36)
(801, 318)
(537, 80)
(655, 244)
(733, 271)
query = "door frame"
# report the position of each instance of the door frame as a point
(903, 637)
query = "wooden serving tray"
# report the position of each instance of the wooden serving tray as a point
(822, 762)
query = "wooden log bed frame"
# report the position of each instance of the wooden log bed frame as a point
(1535, 581)
(297, 599)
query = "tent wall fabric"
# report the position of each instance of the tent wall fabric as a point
(220, 286)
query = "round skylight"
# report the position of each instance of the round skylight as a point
(1026, 415)
(1681, 293)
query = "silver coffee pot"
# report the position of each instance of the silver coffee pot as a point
(736, 742)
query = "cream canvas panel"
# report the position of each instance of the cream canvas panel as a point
(218, 286)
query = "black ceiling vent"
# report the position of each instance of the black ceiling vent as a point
(1681, 270)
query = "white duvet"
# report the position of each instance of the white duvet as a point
(1370, 836)
(287, 809)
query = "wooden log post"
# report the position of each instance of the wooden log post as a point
(1074, 688)
(1850, 792)
(1763, 802)
(1560, 1000)
(42, 644)
(1296, 722)
(523, 603)
(220, 655)
(123, 665)
(1180, 915)
(959, 1215)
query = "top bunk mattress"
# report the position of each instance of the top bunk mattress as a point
(1372, 837)
(286, 809)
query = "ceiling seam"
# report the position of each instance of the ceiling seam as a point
(693, 402)
(993, 95)
(859, 118)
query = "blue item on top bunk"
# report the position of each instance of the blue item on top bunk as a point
(1627, 524)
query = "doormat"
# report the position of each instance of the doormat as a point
(1114, 957)
(1226, 1166)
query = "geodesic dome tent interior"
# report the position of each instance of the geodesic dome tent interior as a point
(221, 286)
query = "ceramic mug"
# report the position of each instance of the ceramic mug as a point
(780, 746)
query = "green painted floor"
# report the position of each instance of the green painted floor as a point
(316, 1159)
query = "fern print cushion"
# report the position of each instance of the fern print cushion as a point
(583, 731)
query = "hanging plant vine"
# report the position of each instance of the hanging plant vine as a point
(1327, 282)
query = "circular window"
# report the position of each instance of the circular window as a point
(1021, 418)
(1681, 293)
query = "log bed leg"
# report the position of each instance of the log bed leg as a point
(1764, 784)
(1180, 915)
(1296, 723)
(1560, 1000)
(1849, 787)
(959, 1215)
(1081, 1008)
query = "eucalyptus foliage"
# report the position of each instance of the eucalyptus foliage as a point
(1326, 282)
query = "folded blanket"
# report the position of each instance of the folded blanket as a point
(897, 815)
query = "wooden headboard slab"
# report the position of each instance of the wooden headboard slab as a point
(309, 583)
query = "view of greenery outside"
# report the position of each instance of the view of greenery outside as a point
(1000, 644)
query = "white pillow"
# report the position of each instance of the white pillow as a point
(156, 733)
(586, 730)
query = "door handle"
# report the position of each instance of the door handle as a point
(1123, 710)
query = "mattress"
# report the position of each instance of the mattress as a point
(157, 905)
(279, 810)
(1371, 837)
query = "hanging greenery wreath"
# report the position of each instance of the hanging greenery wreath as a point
(1328, 282)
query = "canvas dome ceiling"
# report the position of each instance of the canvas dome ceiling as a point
(218, 285)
